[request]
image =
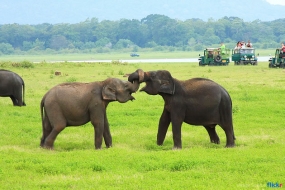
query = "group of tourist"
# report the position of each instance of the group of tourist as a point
(242, 44)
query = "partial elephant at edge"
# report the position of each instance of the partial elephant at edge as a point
(13, 86)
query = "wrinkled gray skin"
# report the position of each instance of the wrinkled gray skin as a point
(13, 86)
(196, 101)
(74, 104)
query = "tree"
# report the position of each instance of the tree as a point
(132, 30)
(6, 48)
(103, 42)
(123, 43)
(58, 42)
(154, 31)
(107, 29)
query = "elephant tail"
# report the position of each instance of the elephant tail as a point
(23, 83)
(42, 110)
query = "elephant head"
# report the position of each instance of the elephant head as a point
(157, 82)
(117, 90)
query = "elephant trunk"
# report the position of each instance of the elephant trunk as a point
(135, 86)
(137, 75)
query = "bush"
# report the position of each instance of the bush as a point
(26, 64)
(23, 64)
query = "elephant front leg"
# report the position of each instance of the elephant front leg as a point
(176, 131)
(98, 131)
(211, 129)
(163, 126)
(107, 134)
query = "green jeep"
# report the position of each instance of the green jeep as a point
(244, 56)
(278, 60)
(214, 56)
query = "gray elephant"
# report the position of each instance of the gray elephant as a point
(13, 86)
(196, 101)
(74, 104)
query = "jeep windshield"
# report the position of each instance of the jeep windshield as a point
(246, 50)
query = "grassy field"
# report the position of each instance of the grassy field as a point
(115, 56)
(135, 161)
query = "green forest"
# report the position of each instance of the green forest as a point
(156, 32)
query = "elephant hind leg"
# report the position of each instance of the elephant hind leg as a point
(211, 129)
(49, 141)
(230, 140)
(226, 123)
(56, 127)
(230, 135)
(47, 128)
(14, 100)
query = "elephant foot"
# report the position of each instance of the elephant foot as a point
(47, 147)
(216, 141)
(176, 148)
(159, 143)
(42, 143)
(98, 148)
(230, 145)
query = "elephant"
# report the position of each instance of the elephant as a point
(75, 104)
(197, 101)
(13, 86)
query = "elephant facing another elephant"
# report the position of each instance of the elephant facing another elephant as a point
(196, 101)
(13, 86)
(74, 104)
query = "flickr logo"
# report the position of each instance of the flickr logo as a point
(274, 185)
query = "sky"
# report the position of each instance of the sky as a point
(56, 11)
(276, 2)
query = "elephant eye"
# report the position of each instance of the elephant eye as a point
(152, 76)
(126, 86)
(164, 82)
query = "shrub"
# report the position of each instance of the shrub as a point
(26, 64)
(71, 79)
(23, 64)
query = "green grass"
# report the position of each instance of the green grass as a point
(135, 161)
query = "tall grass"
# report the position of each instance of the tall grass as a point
(135, 161)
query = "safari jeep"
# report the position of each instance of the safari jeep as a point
(214, 57)
(278, 60)
(244, 56)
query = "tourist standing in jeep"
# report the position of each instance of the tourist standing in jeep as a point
(282, 48)
(249, 45)
(223, 48)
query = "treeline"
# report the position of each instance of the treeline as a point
(154, 31)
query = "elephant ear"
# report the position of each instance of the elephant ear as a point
(167, 85)
(109, 92)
